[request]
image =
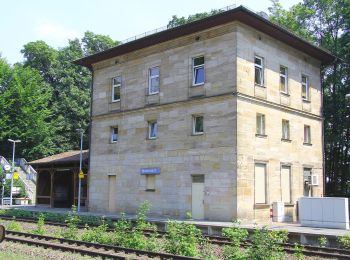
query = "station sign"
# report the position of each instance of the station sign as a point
(81, 175)
(15, 175)
(155, 170)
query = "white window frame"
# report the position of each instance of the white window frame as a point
(260, 67)
(285, 76)
(150, 128)
(194, 120)
(307, 134)
(307, 88)
(114, 86)
(195, 68)
(285, 135)
(150, 77)
(113, 133)
(260, 124)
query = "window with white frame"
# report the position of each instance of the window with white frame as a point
(260, 183)
(305, 91)
(259, 70)
(286, 184)
(116, 85)
(198, 71)
(260, 124)
(114, 134)
(284, 79)
(152, 130)
(285, 129)
(153, 80)
(197, 127)
(307, 134)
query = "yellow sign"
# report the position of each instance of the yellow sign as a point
(15, 175)
(81, 175)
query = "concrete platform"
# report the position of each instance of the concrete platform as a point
(297, 233)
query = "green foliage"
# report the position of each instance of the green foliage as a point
(344, 241)
(237, 235)
(71, 232)
(298, 251)
(177, 21)
(266, 244)
(183, 239)
(322, 241)
(40, 230)
(16, 183)
(97, 234)
(14, 226)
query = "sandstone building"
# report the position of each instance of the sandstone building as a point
(220, 117)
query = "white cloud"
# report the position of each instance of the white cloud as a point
(55, 31)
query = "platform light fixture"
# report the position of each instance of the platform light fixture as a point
(13, 165)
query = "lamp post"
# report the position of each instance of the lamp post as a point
(80, 165)
(13, 165)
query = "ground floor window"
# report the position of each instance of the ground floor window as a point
(260, 183)
(286, 183)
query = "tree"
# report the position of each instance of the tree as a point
(94, 43)
(177, 21)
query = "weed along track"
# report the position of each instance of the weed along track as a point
(86, 248)
(141, 239)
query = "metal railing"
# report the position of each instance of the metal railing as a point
(28, 169)
(3, 161)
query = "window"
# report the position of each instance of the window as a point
(284, 79)
(198, 71)
(307, 134)
(116, 84)
(259, 71)
(305, 87)
(150, 182)
(286, 184)
(260, 183)
(260, 124)
(197, 124)
(153, 81)
(114, 134)
(285, 130)
(152, 130)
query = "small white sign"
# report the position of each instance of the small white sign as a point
(7, 167)
(8, 176)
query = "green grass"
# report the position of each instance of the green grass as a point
(17, 256)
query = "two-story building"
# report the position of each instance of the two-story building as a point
(220, 117)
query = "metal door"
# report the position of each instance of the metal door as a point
(198, 198)
(111, 193)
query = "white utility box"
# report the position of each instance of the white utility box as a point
(326, 212)
(278, 211)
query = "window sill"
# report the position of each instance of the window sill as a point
(286, 140)
(257, 85)
(261, 135)
(289, 205)
(262, 206)
(152, 94)
(285, 94)
(307, 144)
(151, 138)
(115, 101)
(195, 134)
(306, 100)
(150, 190)
(197, 85)
(113, 142)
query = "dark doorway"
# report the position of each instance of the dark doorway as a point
(63, 189)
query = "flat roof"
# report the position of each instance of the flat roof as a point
(70, 157)
(241, 14)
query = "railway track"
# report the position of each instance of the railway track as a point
(308, 250)
(87, 248)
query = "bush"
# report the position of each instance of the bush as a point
(40, 230)
(344, 241)
(236, 235)
(71, 232)
(298, 251)
(14, 226)
(97, 234)
(266, 244)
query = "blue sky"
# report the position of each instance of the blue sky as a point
(22, 21)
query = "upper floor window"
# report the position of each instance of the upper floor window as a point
(198, 71)
(114, 134)
(284, 79)
(259, 71)
(260, 124)
(152, 130)
(116, 84)
(197, 127)
(307, 134)
(153, 80)
(305, 91)
(285, 130)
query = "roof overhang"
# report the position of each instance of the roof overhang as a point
(240, 14)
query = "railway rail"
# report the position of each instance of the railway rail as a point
(87, 248)
(308, 250)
